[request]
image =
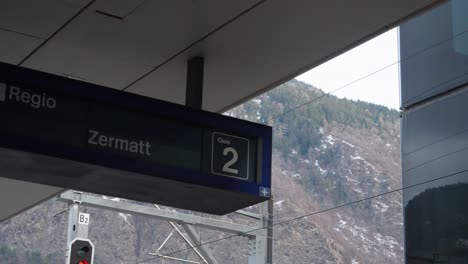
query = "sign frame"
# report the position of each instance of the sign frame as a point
(212, 156)
(32, 79)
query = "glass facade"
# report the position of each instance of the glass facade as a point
(434, 96)
(434, 52)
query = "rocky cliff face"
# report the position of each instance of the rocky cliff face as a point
(326, 154)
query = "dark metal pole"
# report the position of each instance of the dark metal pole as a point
(194, 88)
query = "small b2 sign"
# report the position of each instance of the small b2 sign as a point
(230, 156)
(83, 219)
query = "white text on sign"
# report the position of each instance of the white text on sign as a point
(122, 144)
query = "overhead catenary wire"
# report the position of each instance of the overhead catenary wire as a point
(375, 196)
(384, 68)
(457, 133)
(367, 198)
(373, 73)
(434, 159)
(304, 216)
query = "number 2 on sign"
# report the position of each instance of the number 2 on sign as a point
(235, 157)
(83, 219)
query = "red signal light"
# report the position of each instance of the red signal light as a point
(83, 262)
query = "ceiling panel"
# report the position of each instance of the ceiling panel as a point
(86, 65)
(14, 47)
(277, 41)
(281, 40)
(37, 18)
(154, 32)
(167, 84)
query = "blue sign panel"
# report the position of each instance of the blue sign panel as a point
(76, 135)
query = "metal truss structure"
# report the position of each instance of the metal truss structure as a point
(260, 236)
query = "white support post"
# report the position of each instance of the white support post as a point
(76, 228)
(259, 245)
(269, 225)
(257, 249)
(72, 222)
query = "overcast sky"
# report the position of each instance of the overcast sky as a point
(379, 88)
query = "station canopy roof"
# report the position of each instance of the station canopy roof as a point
(142, 47)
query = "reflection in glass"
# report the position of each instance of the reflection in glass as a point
(437, 225)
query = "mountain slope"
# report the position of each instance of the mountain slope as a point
(326, 154)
